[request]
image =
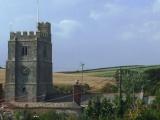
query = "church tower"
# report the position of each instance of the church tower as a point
(29, 65)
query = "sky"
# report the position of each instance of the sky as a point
(98, 33)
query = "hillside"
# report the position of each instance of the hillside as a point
(95, 78)
(94, 82)
(110, 71)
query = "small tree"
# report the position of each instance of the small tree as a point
(100, 110)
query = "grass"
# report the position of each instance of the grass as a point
(110, 72)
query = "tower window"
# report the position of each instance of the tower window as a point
(24, 51)
(24, 90)
(45, 52)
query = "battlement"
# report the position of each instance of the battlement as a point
(44, 31)
(44, 27)
(44, 24)
(24, 34)
(27, 35)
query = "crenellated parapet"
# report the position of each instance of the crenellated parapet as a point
(44, 27)
(22, 35)
(28, 35)
(43, 32)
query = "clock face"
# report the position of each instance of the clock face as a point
(25, 70)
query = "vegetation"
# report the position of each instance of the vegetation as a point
(105, 110)
(109, 88)
(134, 79)
(68, 89)
(63, 89)
(152, 81)
(110, 71)
(100, 109)
(51, 115)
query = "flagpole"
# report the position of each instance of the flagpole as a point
(37, 11)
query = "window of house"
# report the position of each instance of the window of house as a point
(24, 51)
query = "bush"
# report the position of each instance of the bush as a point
(85, 88)
(152, 80)
(53, 116)
(63, 89)
(68, 89)
(149, 114)
(99, 110)
(109, 88)
(23, 114)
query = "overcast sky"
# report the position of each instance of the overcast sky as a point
(99, 33)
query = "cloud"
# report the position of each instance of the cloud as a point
(148, 30)
(156, 6)
(67, 28)
(108, 9)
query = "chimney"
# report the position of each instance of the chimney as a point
(1, 93)
(77, 92)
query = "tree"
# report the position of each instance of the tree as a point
(100, 110)
(152, 80)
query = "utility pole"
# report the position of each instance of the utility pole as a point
(82, 86)
(82, 66)
(120, 92)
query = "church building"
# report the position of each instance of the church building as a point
(29, 65)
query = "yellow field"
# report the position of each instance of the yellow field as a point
(2, 75)
(95, 83)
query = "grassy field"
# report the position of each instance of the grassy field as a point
(95, 78)
(110, 72)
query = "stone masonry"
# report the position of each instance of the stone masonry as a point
(29, 65)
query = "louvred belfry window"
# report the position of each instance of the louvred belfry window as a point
(24, 51)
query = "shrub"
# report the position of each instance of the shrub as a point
(51, 115)
(149, 114)
(99, 110)
(68, 89)
(63, 89)
(109, 88)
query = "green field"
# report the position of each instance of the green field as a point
(110, 71)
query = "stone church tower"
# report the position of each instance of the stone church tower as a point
(29, 65)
